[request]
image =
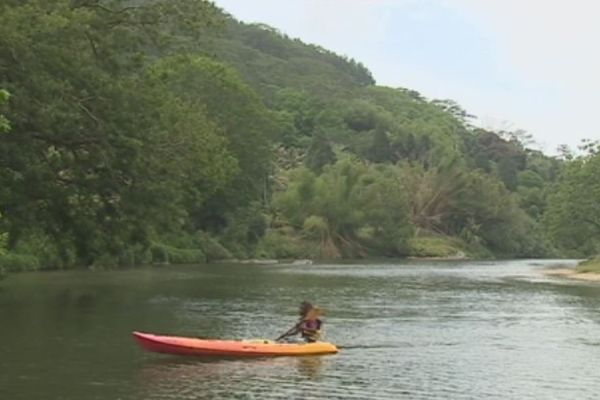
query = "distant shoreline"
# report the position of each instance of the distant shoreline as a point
(570, 273)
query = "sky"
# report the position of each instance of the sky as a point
(515, 64)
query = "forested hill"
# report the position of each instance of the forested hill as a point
(270, 61)
(155, 131)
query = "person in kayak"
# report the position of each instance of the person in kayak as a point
(309, 325)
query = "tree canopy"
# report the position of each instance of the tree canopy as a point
(168, 131)
(573, 215)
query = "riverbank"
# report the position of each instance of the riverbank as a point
(203, 248)
(588, 270)
(589, 266)
(573, 273)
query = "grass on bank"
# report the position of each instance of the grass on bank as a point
(440, 246)
(591, 265)
(41, 254)
(434, 247)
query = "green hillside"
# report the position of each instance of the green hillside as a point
(168, 132)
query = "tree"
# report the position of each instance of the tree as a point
(319, 153)
(303, 111)
(351, 209)
(503, 157)
(435, 194)
(100, 156)
(247, 126)
(573, 213)
(380, 150)
(4, 123)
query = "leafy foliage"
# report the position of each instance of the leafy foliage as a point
(351, 209)
(99, 156)
(573, 216)
(167, 131)
(4, 123)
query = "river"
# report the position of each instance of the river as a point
(406, 330)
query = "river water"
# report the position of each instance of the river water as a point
(406, 330)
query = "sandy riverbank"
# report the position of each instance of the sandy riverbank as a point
(573, 274)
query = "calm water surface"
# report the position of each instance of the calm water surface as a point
(437, 330)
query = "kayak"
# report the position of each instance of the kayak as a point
(230, 348)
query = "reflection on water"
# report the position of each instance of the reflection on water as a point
(180, 378)
(309, 367)
(416, 330)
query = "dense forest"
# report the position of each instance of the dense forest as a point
(166, 131)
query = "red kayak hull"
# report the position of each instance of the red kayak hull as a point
(228, 348)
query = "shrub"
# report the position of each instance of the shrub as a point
(211, 247)
(278, 244)
(433, 246)
(50, 253)
(13, 262)
(134, 255)
(245, 228)
(165, 254)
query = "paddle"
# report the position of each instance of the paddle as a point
(292, 331)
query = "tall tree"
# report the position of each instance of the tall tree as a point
(246, 124)
(99, 157)
(573, 214)
(380, 150)
(351, 209)
(319, 153)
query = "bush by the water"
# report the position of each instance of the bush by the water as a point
(283, 244)
(12, 262)
(212, 249)
(165, 254)
(431, 246)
